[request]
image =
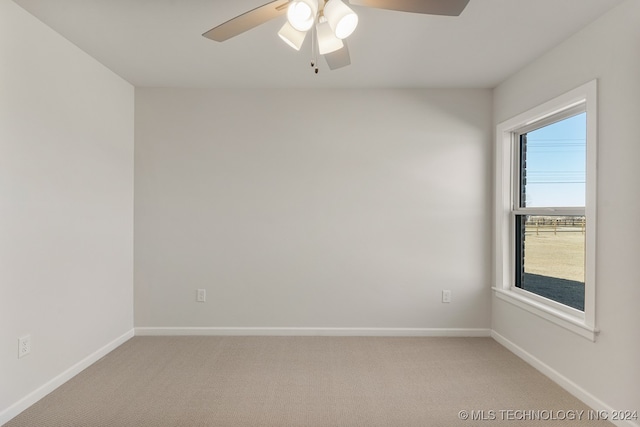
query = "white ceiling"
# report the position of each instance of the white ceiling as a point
(159, 43)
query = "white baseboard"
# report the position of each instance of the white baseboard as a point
(22, 404)
(577, 391)
(369, 332)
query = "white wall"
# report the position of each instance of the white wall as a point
(303, 208)
(608, 49)
(66, 206)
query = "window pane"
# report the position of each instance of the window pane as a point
(553, 164)
(550, 257)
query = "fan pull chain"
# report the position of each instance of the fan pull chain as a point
(314, 50)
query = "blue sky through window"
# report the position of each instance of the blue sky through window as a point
(556, 164)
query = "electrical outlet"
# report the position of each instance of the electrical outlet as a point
(201, 295)
(446, 296)
(24, 346)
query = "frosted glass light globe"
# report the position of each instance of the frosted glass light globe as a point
(342, 19)
(301, 14)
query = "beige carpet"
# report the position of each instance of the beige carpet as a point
(307, 381)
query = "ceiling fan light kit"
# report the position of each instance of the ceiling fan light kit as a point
(329, 21)
(333, 21)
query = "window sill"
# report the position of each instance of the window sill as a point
(560, 318)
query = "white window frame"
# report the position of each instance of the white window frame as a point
(582, 323)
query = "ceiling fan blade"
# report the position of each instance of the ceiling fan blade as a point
(339, 58)
(431, 7)
(247, 20)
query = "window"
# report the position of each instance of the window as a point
(545, 210)
(549, 178)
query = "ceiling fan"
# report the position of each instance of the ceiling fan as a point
(330, 22)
